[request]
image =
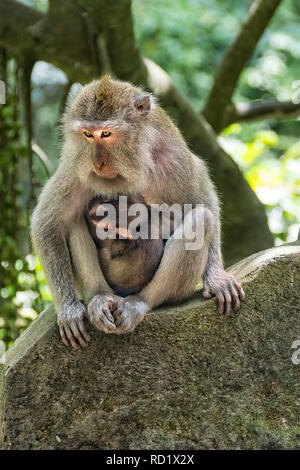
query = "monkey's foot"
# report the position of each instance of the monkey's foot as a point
(71, 325)
(99, 312)
(129, 313)
(228, 292)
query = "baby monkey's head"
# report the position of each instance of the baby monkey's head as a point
(121, 218)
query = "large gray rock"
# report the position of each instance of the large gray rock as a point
(187, 378)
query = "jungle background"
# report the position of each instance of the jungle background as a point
(226, 70)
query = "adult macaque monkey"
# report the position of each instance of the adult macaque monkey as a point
(117, 140)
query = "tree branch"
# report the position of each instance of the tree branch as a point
(27, 31)
(15, 18)
(235, 60)
(246, 229)
(26, 67)
(116, 21)
(43, 157)
(246, 112)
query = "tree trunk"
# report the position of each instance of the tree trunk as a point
(105, 40)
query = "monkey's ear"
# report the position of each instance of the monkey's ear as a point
(142, 104)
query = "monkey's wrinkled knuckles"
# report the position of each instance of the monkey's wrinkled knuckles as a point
(129, 314)
(228, 291)
(100, 312)
(71, 325)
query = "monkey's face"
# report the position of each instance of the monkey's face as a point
(105, 128)
(102, 141)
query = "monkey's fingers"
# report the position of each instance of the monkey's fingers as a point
(221, 301)
(228, 300)
(102, 323)
(63, 336)
(121, 318)
(206, 290)
(83, 332)
(240, 291)
(99, 313)
(126, 326)
(207, 294)
(236, 299)
(76, 332)
(124, 321)
(122, 324)
(108, 314)
(106, 327)
(128, 320)
(108, 320)
(233, 294)
(70, 337)
(119, 307)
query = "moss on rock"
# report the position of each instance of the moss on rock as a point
(187, 378)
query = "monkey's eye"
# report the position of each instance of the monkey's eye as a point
(105, 134)
(88, 134)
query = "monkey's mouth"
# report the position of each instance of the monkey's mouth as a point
(106, 173)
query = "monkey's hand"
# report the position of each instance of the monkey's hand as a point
(71, 325)
(223, 285)
(129, 313)
(100, 310)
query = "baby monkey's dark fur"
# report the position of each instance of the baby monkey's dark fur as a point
(128, 264)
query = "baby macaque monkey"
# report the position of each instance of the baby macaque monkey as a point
(128, 255)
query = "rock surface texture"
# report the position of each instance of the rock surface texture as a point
(187, 378)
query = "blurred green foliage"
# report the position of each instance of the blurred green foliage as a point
(23, 288)
(188, 39)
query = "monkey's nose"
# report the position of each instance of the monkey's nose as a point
(99, 164)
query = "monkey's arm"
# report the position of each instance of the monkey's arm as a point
(88, 275)
(55, 211)
(89, 278)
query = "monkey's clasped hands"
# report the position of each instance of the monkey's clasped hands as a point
(114, 314)
(107, 313)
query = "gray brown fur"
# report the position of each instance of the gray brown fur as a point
(153, 161)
